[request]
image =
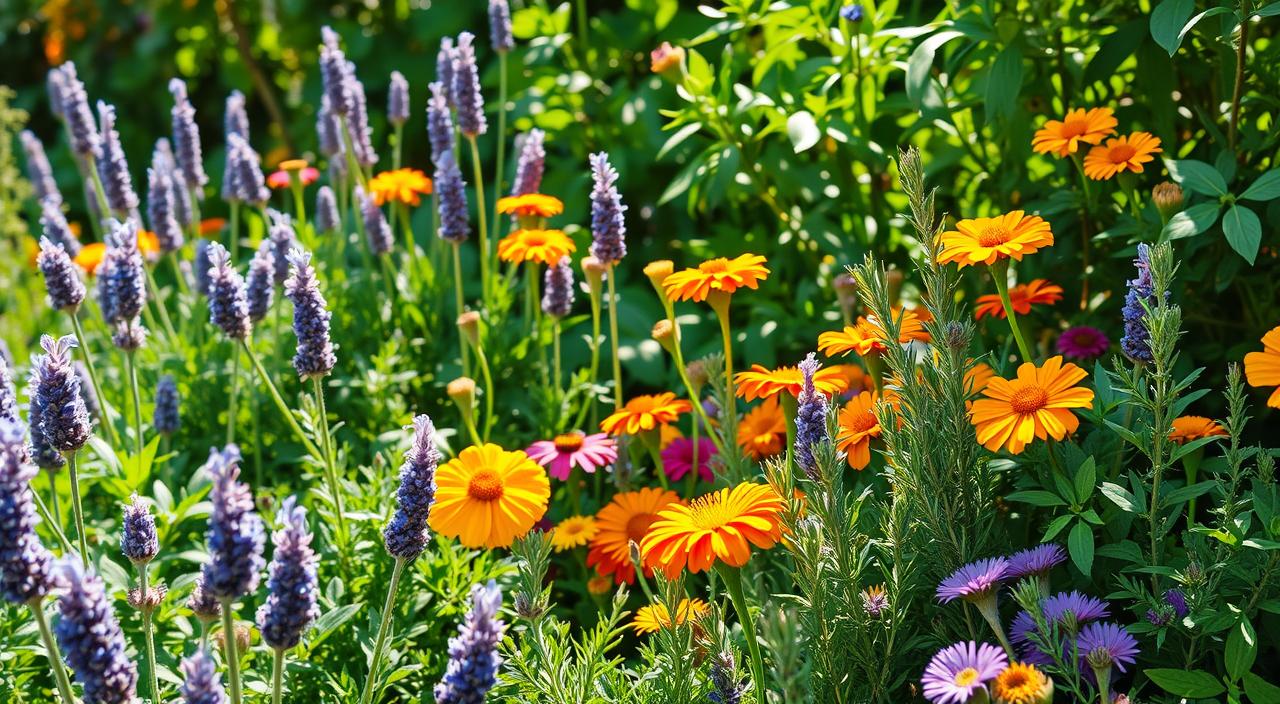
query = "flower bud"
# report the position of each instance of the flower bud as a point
(1168, 199)
(242, 636)
(658, 272)
(463, 392)
(469, 326)
(665, 333)
(667, 61)
(593, 270)
(696, 371)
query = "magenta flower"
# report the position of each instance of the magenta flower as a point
(571, 450)
(677, 458)
(957, 672)
(1083, 342)
(974, 581)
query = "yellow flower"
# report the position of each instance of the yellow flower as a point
(717, 275)
(1021, 683)
(1035, 404)
(573, 532)
(487, 496)
(1263, 368)
(542, 246)
(1127, 153)
(1063, 137)
(402, 186)
(654, 617)
(986, 240)
(722, 525)
(531, 205)
(867, 336)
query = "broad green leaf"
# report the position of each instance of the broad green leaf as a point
(1194, 684)
(1037, 498)
(1259, 690)
(1186, 28)
(1243, 231)
(1199, 177)
(921, 64)
(1167, 21)
(1004, 81)
(1192, 221)
(679, 136)
(1121, 497)
(1269, 11)
(1085, 479)
(1242, 650)
(803, 131)
(1184, 494)
(1266, 187)
(1080, 546)
(1055, 527)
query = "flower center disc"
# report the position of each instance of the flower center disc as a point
(863, 422)
(966, 677)
(485, 485)
(993, 236)
(1074, 128)
(1122, 153)
(569, 442)
(1029, 400)
(639, 524)
(715, 266)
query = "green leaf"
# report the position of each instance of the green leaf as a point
(675, 139)
(1259, 690)
(1184, 494)
(1243, 230)
(1121, 497)
(1266, 187)
(921, 64)
(1086, 478)
(1269, 11)
(1080, 546)
(803, 131)
(1004, 81)
(1037, 498)
(1167, 21)
(1199, 177)
(1055, 527)
(1242, 650)
(1193, 684)
(1192, 221)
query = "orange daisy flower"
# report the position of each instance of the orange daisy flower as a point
(572, 532)
(722, 525)
(1063, 137)
(1127, 153)
(1035, 404)
(542, 246)
(211, 225)
(762, 382)
(986, 240)
(654, 617)
(488, 496)
(763, 430)
(1188, 428)
(401, 186)
(90, 256)
(531, 205)
(1021, 683)
(978, 376)
(723, 275)
(1263, 368)
(645, 413)
(1021, 297)
(858, 427)
(624, 520)
(867, 336)
(855, 378)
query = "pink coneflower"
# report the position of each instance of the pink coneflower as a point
(958, 672)
(566, 451)
(1083, 342)
(280, 179)
(677, 458)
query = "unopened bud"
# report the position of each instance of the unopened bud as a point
(463, 392)
(469, 326)
(1168, 199)
(658, 272)
(593, 271)
(665, 333)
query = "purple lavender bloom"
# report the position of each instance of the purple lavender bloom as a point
(314, 357)
(531, 164)
(90, 638)
(500, 26)
(235, 535)
(260, 287)
(291, 605)
(444, 68)
(361, 132)
(167, 418)
(283, 239)
(122, 284)
(113, 168)
(61, 277)
(161, 210)
(55, 396)
(55, 84)
(138, 539)
(204, 605)
(201, 682)
(326, 213)
(74, 104)
(8, 394)
(1106, 645)
(467, 98)
(728, 686)
(874, 601)
(851, 13)
(957, 672)
(235, 120)
(1136, 340)
(38, 171)
(250, 186)
(1073, 605)
(473, 653)
(228, 298)
(1177, 601)
(55, 227)
(439, 121)
(328, 132)
(455, 224)
(398, 99)
(1035, 562)
(405, 537)
(608, 228)
(1083, 342)
(333, 73)
(26, 573)
(811, 418)
(974, 581)
(376, 228)
(42, 451)
(186, 138)
(200, 272)
(128, 335)
(557, 298)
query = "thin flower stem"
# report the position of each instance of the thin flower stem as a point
(489, 391)
(727, 337)
(613, 338)
(410, 242)
(460, 302)
(595, 359)
(56, 527)
(1002, 288)
(277, 676)
(555, 356)
(51, 650)
(131, 368)
(992, 617)
(1242, 49)
(148, 635)
(383, 629)
(99, 192)
(231, 400)
(299, 206)
(691, 484)
(53, 498)
(280, 404)
(349, 148)
(732, 577)
(481, 221)
(108, 429)
(235, 230)
(499, 172)
(230, 652)
(331, 470)
(396, 148)
(154, 293)
(177, 274)
(194, 195)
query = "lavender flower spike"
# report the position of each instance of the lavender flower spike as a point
(186, 138)
(74, 103)
(55, 396)
(405, 537)
(326, 213)
(608, 228)
(439, 121)
(532, 163)
(315, 355)
(557, 300)
(55, 85)
(398, 99)
(54, 225)
(250, 185)
(26, 573)
(91, 640)
(138, 539)
(811, 418)
(122, 284)
(473, 653)
(358, 121)
(260, 287)
(161, 210)
(1136, 340)
(113, 168)
(228, 299)
(61, 277)
(455, 224)
(376, 228)
(8, 395)
(235, 535)
(167, 418)
(283, 239)
(235, 120)
(38, 170)
(291, 606)
(444, 68)
(327, 129)
(466, 88)
(333, 73)
(500, 26)
(201, 683)
(203, 604)
(200, 272)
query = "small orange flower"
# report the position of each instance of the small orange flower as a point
(1263, 368)
(763, 430)
(148, 244)
(977, 378)
(1035, 404)
(209, 226)
(624, 520)
(858, 427)
(867, 336)
(542, 246)
(665, 57)
(402, 186)
(654, 617)
(1188, 428)
(762, 382)
(645, 413)
(855, 378)
(1063, 137)
(90, 257)
(1127, 153)
(1021, 297)
(722, 275)
(531, 205)
(986, 240)
(1022, 683)
(722, 525)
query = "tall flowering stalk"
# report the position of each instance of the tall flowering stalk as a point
(455, 226)
(557, 302)
(187, 151)
(473, 653)
(91, 638)
(122, 290)
(469, 104)
(39, 172)
(608, 246)
(113, 168)
(201, 683)
(811, 419)
(229, 311)
(291, 606)
(397, 113)
(138, 543)
(502, 41)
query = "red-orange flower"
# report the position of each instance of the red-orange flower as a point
(1021, 297)
(720, 526)
(1263, 368)
(867, 336)
(624, 520)
(645, 413)
(761, 382)
(858, 427)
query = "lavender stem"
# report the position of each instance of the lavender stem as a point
(105, 421)
(51, 649)
(73, 473)
(383, 629)
(481, 221)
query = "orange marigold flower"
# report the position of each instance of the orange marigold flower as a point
(856, 379)
(1188, 428)
(209, 226)
(722, 525)
(654, 617)
(867, 336)
(401, 186)
(986, 240)
(723, 275)
(1063, 137)
(1021, 297)
(572, 532)
(148, 244)
(488, 497)
(977, 378)
(762, 432)
(645, 413)
(1263, 368)
(1035, 404)
(1126, 153)
(762, 382)
(625, 520)
(531, 205)
(542, 246)
(89, 258)
(1021, 683)
(858, 427)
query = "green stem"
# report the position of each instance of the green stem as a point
(481, 222)
(99, 192)
(231, 400)
(108, 429)
(595, 360)
(499, 173)
(277, 676)
(131, 368)
(489, 391)
(148, 636)
(331, 470)
(51, 650)
(154, 293)
(235, 230)
(460, 302)
(731, 400)
(732, 577)
(56, 527)
(53, 498)
(613, 337)
(1241, 54)
(555, 356)
(230, 652)
(998, 274)
(410, 242)
(383, 629)
(280, 404)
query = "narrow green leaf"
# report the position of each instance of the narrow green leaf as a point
(1242, 650)
(1243, 231)
(1121, 497)
(1085, 479)
(1037, 498)
(1055, 527)
(1269, 11)
(920, 64)
(1257, 689)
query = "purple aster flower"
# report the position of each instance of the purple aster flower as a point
(201, 683)
(677, 458)
(138, 539)
(974, 581)
(874, 601)
(38, 171)
(228, 297)
(376, 228)
(1136, 340)
(557, 298)
(122, 286)
(260, 286)
(608, 228)
(73, 101)
(439, 121)
(405, 537)
(326, 213)
(467, 98)
(314, 355)
(55, 396)
(811, 418)
(235, 119)
(204, 605)
(26, 573)
(531, 164)
(500, 26)
(200, 272)
(398, 99)
(1083, 342)
(235, 534)
(1177, 601)
(956, 673)
(90, 637)
(727, 685)
(1035, 562)
(444, 68)
(473, 653)
(283, 238)
(851, 13)
(113, 168)
(1063, 606)
(161, 210)
(1023, 626)
(1106, 645)
(167, 418)
(186, 138)
(291, 605)
(61, 277)
(54, 225)
(455, 223)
